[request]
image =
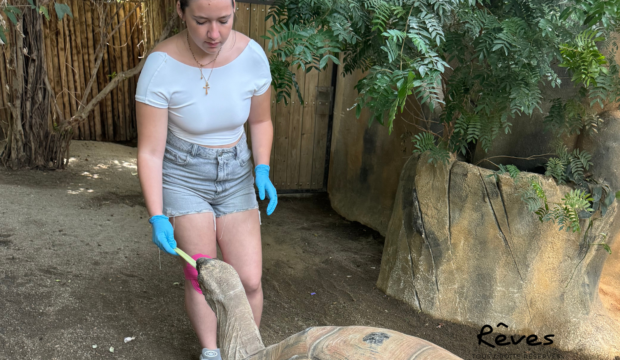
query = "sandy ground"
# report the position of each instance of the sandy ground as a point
(78, 269)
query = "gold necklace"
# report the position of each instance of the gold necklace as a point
(206, 87)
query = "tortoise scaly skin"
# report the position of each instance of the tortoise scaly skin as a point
(240, 339)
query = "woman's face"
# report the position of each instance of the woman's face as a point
(209, 22)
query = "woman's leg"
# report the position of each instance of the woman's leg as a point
(238, 235)
(195, 234)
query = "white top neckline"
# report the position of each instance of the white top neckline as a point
(216, 118)
(219, 67)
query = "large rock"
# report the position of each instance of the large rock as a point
(605, 150)
(461, 246)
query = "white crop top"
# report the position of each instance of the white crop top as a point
(213, 119)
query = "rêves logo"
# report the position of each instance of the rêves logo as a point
(500, 339)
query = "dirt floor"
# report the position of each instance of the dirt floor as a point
(78, 269)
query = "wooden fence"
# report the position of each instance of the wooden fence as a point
(70, 58)
(298, 157)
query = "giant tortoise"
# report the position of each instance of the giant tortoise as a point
(240, 339)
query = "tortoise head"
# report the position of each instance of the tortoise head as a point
(217, 279)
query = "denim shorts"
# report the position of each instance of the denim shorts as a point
(197, 179)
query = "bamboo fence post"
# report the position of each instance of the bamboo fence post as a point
(150, 22)
(154, 20)
(54, 71)
(118, 66)
(77, 67)
(6, 113)
(48, 65)
(114, 118)
(122, 51)
(96, 36)
(91, 46)
(105, 71)
(63, 70)
(135, 35)
(129, 28)
(80, 28)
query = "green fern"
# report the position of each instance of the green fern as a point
(534, 198)
(583, 58)
(512, 170)
(426, 142)
(556, 169)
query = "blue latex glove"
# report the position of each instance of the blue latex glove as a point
(163, 234)
(263, 183)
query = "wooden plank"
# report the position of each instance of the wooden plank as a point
(272, 156)
(266, 24)
(243, 18)
(235, 27)
(295, 122)
(320, 133)
(272, 160)
(256, 30)
(89, 54)
(307, 132)
(257, 23)
(281, 144)
(241, 24)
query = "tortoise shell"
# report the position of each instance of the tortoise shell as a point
(353, 343)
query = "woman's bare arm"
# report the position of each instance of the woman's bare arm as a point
(261, 127)
(152, 131)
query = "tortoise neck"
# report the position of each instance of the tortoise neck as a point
(236, 330)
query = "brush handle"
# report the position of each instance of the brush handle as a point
(186, 257)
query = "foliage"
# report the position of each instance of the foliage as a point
(476, 64)
(512, 170)
(479, 63)
(14, 14)
(589, 196)
(426, 142)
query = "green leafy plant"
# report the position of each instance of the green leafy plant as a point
(476, 65)
(512, 170)
(14, 13)
(589, 196)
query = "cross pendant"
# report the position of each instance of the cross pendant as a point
(206, 87)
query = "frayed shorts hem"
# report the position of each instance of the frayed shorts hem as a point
(171, 214)
(236, 211)
(191, 212)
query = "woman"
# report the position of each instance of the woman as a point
(196, 91)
